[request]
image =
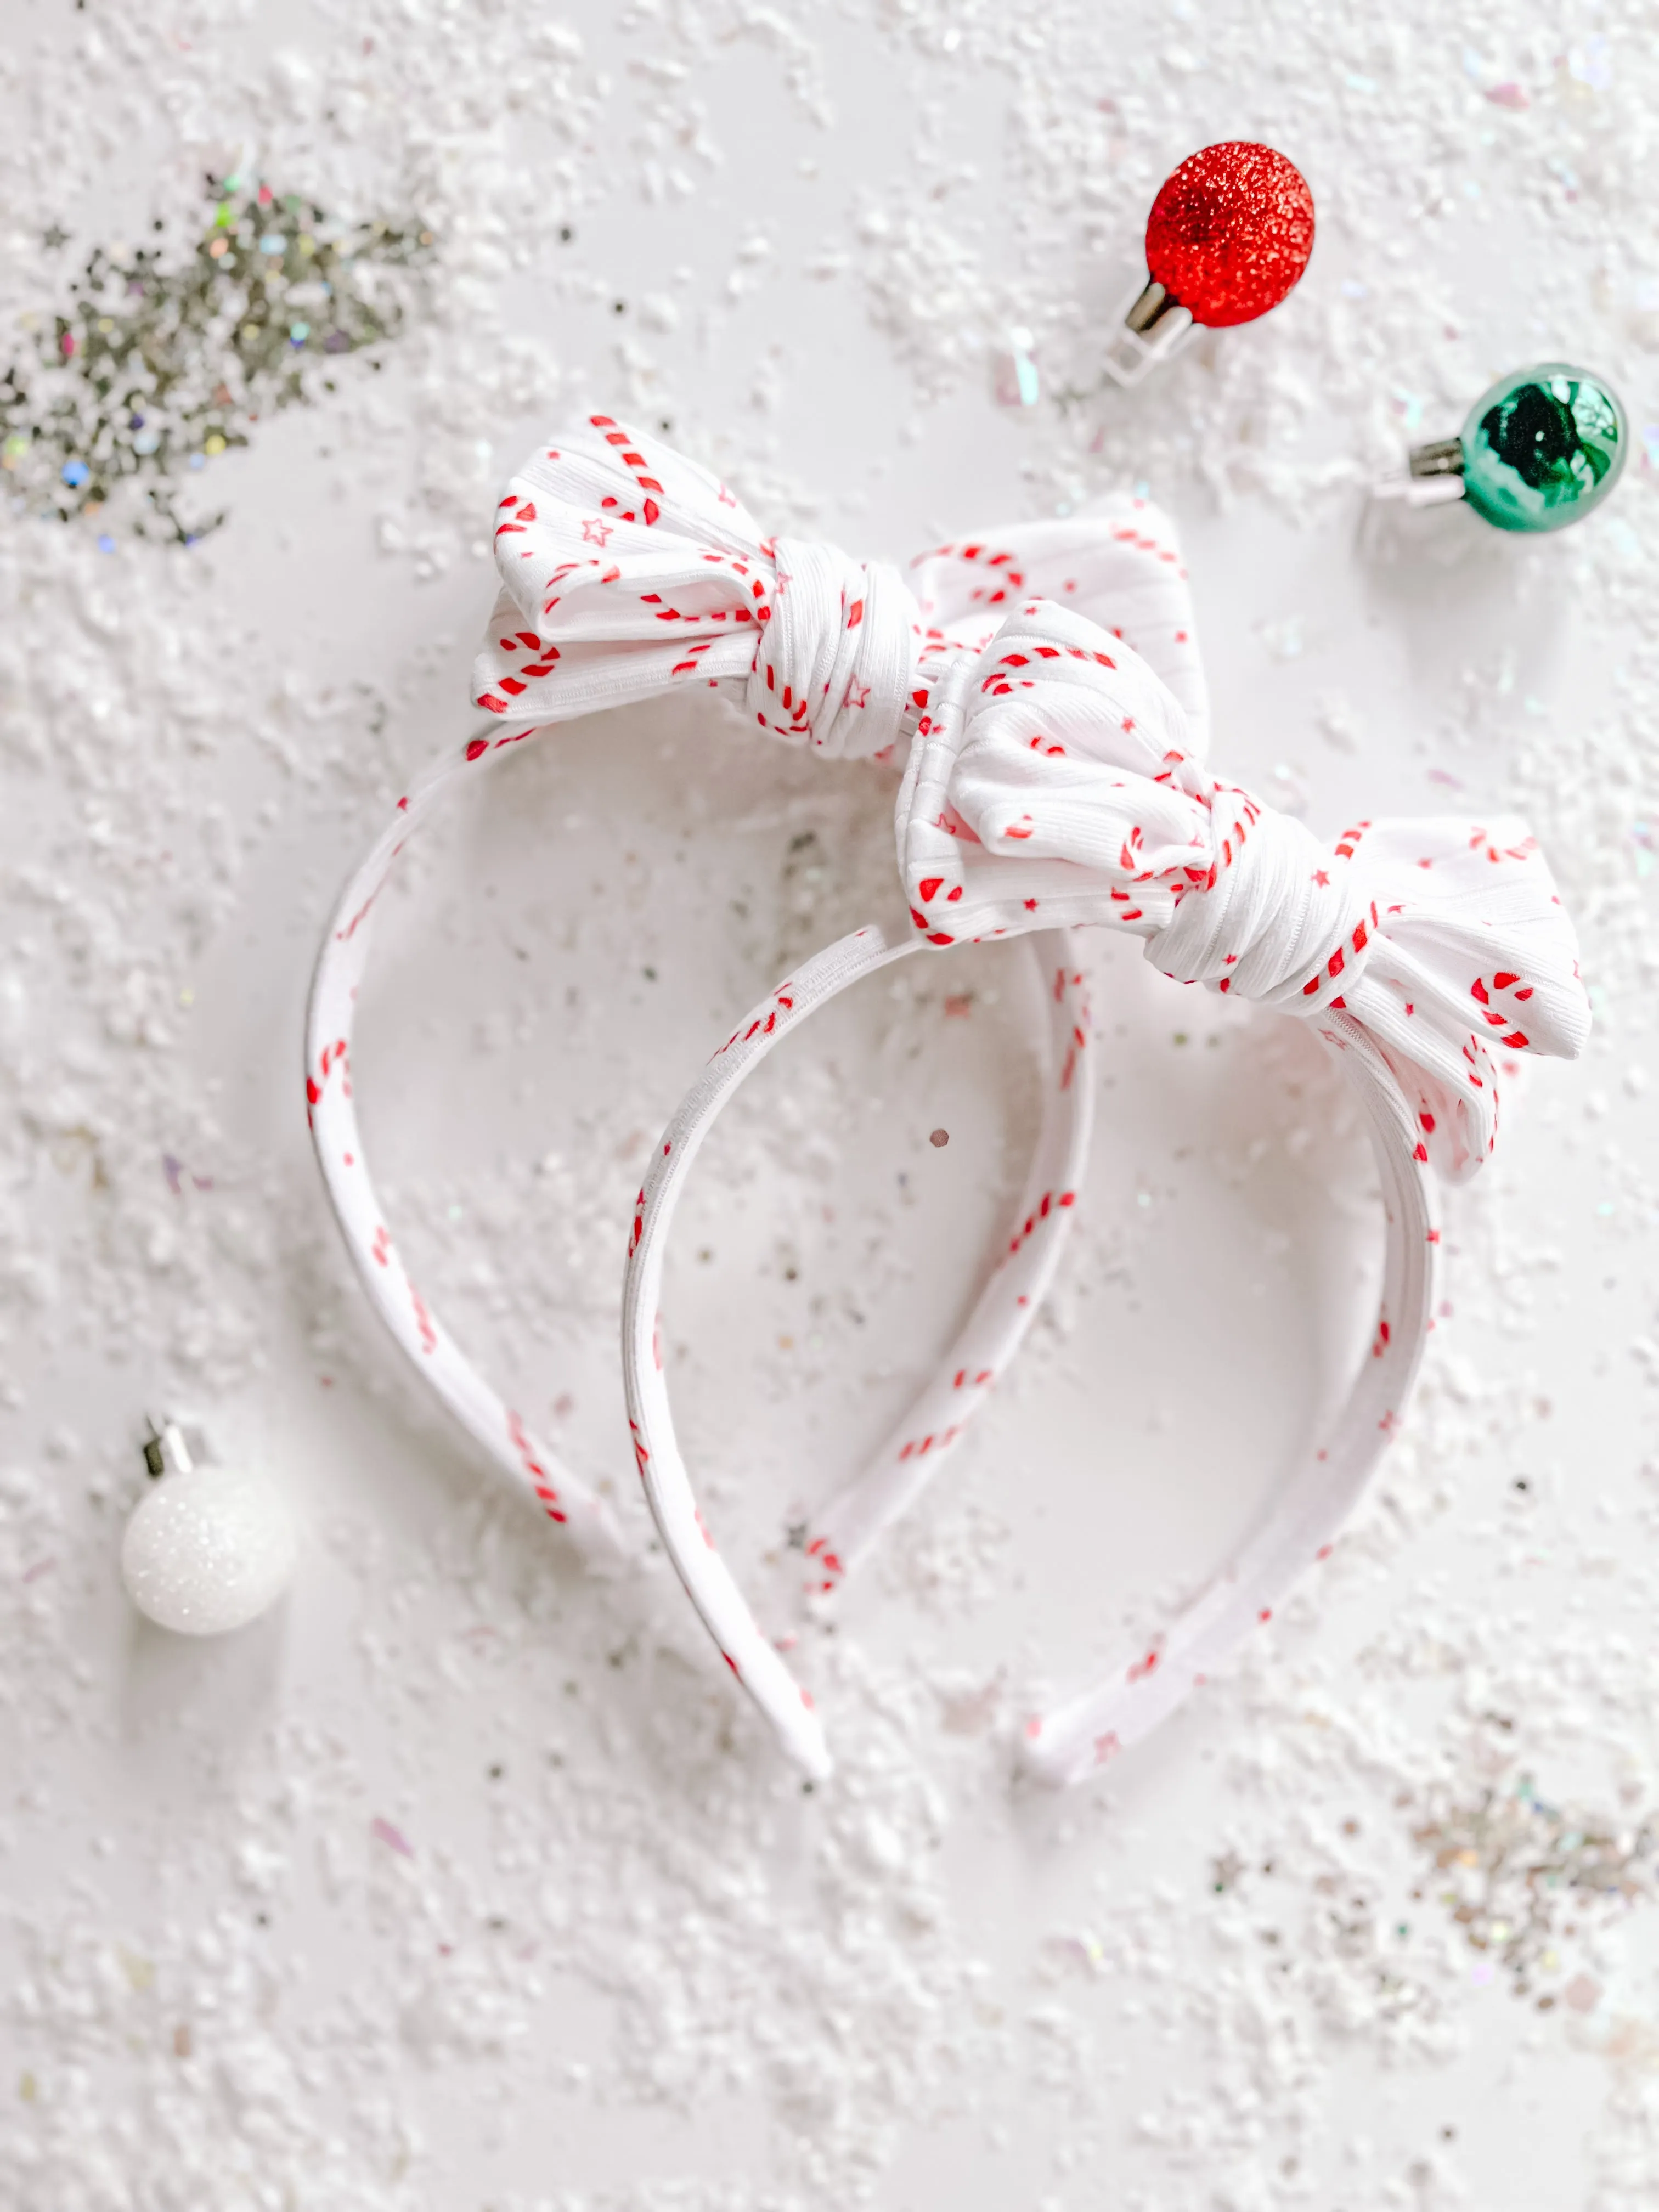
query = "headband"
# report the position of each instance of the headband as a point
(1054, 782)
(628, 571)
(1048, 682)
(1414, 947)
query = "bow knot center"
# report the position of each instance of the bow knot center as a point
(1279, 918)
(835, 665)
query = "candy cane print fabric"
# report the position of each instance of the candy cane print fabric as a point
(947, 1402)
(912, 1454)
(1053, 781)
(1147, 1681)
(628, 571)
(497, 1428)
(1306, 1515)
(1055, 784)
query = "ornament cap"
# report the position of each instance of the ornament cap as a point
(1433, 476)
(1443, 458)
(1152, 327)
(166, 1451)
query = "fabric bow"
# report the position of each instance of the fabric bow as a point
(628, 571)
(1056, 775)
(1054, 782)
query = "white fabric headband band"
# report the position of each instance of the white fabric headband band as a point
(1051, 682)
(825, 653)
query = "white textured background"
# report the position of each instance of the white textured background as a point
(614, 1960)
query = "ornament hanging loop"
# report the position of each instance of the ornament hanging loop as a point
(1433, 475)
(164, 1449)
(1152, 327)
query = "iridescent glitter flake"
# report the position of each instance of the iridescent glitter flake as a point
(1015, 378)
(1523, 1878)
(154, 367)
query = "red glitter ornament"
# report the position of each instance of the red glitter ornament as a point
(1230, 232)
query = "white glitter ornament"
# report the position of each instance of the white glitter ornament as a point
(209, 1548)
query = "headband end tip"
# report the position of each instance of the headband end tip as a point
(812, 1759)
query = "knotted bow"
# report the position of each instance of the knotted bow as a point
(627, 570)
(1054, 782)
(1056, 777)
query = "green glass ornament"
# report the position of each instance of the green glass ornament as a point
(1542, 448)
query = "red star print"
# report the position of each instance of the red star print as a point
(595, 532)
(856, 695)
(1321, 880)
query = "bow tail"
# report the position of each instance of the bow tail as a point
(1443, 1068)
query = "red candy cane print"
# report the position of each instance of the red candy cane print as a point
(626, 572)
(987, 1341)
(1042, 688)
(1500, 998)
(1053, 784)
(528, 1463)
(1138, 1690)
(910, 1457)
